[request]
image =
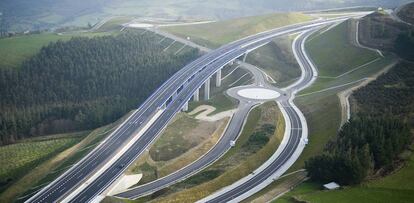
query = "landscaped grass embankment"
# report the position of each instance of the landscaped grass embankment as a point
(52, 164)
(333, 53)
(277, 60)
(396, 187)
(218, 33)
(320, 104)
(182, 142)
(186, 138)
(260, 138)
(18, 159)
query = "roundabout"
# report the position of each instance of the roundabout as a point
(258, 93)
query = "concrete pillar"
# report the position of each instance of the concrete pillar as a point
(244, 57)
(164, 106)
(196, 96)
(185, 107)
(218, 78)
(207, 89)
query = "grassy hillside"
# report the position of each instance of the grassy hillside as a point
(18, 159)
(222, 32)
(333, 52)
(320, 100)
(259, 139)
(391, 93)
(277, 60)
(57, 62)
(397, 187)
(406, 13)
(14, 50)
(42, 159)
(23, 14)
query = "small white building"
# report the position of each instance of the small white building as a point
(331, 186)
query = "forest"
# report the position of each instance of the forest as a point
(404, 45)
(83, 83)
(370, 143)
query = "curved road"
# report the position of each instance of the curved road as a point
(231, 133)
(297, 129)
(181, 86)
(223, 145)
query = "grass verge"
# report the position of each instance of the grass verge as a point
(182, 142)
(52, 167)
(248, 154)
(318, 106)
(397, 187)
(277, 60)
(18, 159)
(218, 33)
(333, 52)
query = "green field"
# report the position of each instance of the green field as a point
(222, 32)
(183, 141)
(317, 102)
(173, 142)
(317, 106)
(54, 154)
(14, 50)
(18, 159)
(397, 187)
(333, 52)
(322, 84)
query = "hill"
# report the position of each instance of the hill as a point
(222, 32)
(20, 15)
(388, 95)
(406, 13)
(83, 83)
(379, 30)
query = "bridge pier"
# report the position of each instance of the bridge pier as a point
(207, 89)
(245, 56)
(196, 96)
(185, 107)
(218, 78)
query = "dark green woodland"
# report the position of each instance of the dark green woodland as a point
(83, 83)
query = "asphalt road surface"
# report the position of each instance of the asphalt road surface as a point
(187, 80)
(293, 142)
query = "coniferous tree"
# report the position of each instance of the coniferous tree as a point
(83, 83)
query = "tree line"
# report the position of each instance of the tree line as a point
(369, 144)
(83, 83)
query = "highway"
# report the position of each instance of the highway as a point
(296, 130)
(223, 145)
(91, 163)
(187, 81)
